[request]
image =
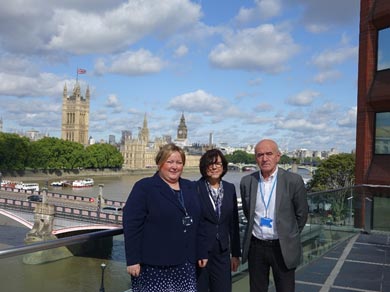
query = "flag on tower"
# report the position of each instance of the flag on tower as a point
(81, 71)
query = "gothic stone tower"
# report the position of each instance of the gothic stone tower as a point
(182, 129)
(75, 115)
(144, 133)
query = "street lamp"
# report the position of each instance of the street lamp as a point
(102, 266)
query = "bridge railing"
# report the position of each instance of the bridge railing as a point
(78, 214)
(334, 217)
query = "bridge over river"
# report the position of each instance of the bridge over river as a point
(73, 214)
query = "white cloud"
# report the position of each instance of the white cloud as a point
(130, 63)
(198, 101)
(299, 125)
(329, 58)
(112, 101)
(106, 28)
(304, 98)
(349, 120)
(327, 75)
(264, 9)
(181, 51)
(320, 16)
(264, 48)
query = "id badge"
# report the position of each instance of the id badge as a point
(266, 222)
(187, 220)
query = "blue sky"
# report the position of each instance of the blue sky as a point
(242, 70)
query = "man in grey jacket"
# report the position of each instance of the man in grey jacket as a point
(274, 202)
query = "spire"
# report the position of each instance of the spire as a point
(65, 92)
(145, 122)
(144, 133)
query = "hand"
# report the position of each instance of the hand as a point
(134, 270)
(234, 263)
(202, 263)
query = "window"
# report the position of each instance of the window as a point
(383, 49)
(382, 133)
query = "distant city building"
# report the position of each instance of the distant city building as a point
(33, 135)
(144, 133)
(75, 115)
(141, 153)
(182, 133)
(111, 139)
(125, 135)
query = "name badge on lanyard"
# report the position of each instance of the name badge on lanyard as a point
(265, 221)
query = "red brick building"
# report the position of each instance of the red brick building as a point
(373, 104)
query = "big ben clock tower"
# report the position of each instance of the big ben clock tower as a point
(182, 129)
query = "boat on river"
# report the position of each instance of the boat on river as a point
(83, 183)
(62, 183)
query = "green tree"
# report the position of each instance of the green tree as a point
(284, 159)
(240, 156)
(14, 151)
(103, 156)
(336, 172)
(55, 153)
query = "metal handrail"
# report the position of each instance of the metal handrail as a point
(24, 249)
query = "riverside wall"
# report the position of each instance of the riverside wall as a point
(64, 174)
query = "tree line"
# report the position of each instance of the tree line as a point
(19, 153)
(49, 153)
(337, 171)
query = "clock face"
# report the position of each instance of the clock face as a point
(180, 132)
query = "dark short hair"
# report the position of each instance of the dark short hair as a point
(166, 151)
(210, 157)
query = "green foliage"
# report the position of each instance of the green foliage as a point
(337, 171)
(103, 155)
(284, 159)
(240, 156)
(18, 153)
(14, 151)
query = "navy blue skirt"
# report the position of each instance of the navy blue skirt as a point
(180, 278)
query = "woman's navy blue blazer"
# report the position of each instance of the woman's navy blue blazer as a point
(153, 224)
(227, 226)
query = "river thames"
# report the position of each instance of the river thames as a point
(79, 273)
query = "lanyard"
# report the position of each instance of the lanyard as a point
(216, 201)
(270, 195)
(181, 199)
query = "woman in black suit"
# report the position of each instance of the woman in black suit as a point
(220, 213)
(161, 221)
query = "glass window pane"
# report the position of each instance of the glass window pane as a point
(382, 133)
(384, 49)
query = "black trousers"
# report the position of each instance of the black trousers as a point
(216, 276)
(264, 255)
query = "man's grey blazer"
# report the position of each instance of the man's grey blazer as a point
(291, 210)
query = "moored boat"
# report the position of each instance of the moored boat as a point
(8, 184)
(62, 183)
(27, 186)
(83, 183)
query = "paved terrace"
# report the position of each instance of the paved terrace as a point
(362, 264)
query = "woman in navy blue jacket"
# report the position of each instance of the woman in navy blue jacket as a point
(163, 241)
(220, 212)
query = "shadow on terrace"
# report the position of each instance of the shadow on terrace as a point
(345, 243)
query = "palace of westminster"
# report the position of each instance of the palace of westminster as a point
(138, 152)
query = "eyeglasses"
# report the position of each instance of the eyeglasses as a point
(216, 164)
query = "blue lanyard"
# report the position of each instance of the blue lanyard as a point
(181, 199)
(270, 195)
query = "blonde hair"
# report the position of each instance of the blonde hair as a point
(166, 151)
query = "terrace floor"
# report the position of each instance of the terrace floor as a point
(361, 263)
